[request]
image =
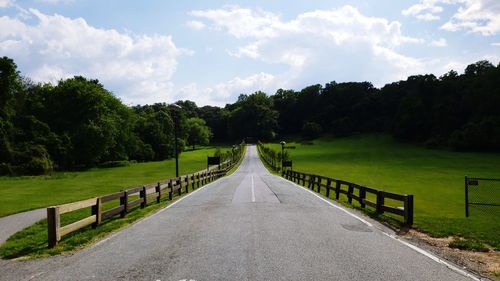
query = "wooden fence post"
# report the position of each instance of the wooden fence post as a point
(304, 179)
(350, 191)
(54, 223)
(179, 186)
(97, 211)
(362, 196)
(380, 202)
(142, 194)
(198, 180)
(409, 210)
(158, 190)
(337, 190)
(328, 184)
(310, 182)
(124, 202)
(192, 182)
(319, 183)
(170, 187)
(186, 179)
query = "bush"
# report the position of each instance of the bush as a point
(38, 166)
(32, 160)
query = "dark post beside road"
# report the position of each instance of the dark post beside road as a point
(175, 112)
(282, 157)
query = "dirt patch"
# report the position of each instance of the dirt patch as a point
(484, 264)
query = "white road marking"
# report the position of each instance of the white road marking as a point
(36, 275)
(333, 205)
(253, 191)
(411, 246)
(433, 257)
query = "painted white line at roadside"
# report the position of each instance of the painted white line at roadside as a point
(149, 217)
(433, 257)
(411, 246)
(253, 191)
(331, 204)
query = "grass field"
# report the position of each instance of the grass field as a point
(19, 194)
(434, 177)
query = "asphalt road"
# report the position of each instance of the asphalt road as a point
(248, 226)
(14, 223)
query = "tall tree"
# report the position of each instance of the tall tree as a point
(253, 116)
(197, 132)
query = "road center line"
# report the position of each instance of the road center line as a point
(253, 191)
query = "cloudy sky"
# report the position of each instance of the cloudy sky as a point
(212, 51)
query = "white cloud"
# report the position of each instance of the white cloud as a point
(425, 10)
(480, 16)
(241, 23)
(228, 91)
(427, 17)
(497, 44)
(5, 3)
(441, 42)
(318, 46)
(196, 25)
(138, 68)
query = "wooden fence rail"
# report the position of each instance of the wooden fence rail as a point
(356, 192)
(271, 157)
(129, 199)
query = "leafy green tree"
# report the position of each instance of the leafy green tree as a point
(197, 132)
(253, 116)
(155, 130)
(92, 123)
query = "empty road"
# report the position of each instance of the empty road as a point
(251, 225)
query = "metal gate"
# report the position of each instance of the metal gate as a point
(482, 197)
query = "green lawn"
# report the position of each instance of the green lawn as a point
(19, 194)
(434, 177)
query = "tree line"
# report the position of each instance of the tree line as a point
(78, 123)
(460, 112)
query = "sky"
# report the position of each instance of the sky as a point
(210, 52)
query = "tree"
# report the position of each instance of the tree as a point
(252, 116)
(93, 123)
(197, 132)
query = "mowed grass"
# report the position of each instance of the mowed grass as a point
(434, 177)
(19, 194)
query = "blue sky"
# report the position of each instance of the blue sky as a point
(212, 51)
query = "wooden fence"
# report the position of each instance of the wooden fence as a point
(356, 192)
(271, 157)
(144, 195)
